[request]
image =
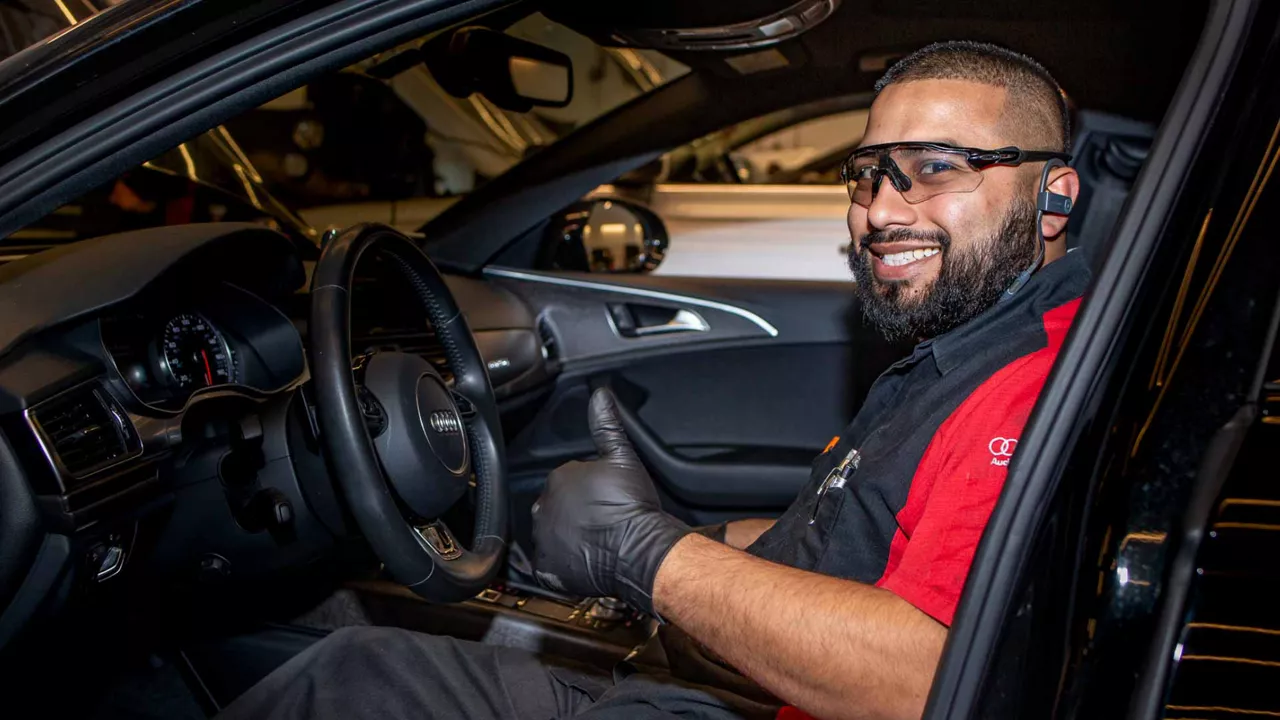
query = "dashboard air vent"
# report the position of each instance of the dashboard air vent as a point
(85, 430)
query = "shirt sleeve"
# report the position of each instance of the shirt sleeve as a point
(955, 488)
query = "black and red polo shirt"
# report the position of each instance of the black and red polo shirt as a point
(927, 455)
(924, 462)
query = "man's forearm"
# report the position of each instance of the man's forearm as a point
(834, 648)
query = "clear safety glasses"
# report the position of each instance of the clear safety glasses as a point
(921, 170)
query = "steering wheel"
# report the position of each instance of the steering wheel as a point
(402, 443)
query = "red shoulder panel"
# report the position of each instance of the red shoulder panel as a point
(960, 477)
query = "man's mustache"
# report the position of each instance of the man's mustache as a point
(936, 237)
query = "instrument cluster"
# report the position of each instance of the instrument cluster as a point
(166, 352)
(194, 354)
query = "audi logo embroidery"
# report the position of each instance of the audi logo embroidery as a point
(1002, 450)
(445, 422)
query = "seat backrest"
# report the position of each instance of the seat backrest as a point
(1108, 151)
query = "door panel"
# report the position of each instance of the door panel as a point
(728, 420)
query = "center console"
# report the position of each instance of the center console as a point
(597, 631)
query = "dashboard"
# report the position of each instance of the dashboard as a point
(149, 383)
(155, 415)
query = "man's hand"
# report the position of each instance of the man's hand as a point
(598, 529)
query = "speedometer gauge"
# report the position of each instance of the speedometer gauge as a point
(195, 354)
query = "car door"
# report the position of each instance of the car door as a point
(739, 352)
(728, 387)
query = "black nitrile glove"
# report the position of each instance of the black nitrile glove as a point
(598, 530)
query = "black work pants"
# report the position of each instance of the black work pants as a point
(386, 673)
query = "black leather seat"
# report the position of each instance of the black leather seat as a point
(1108, 152)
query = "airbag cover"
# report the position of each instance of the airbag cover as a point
(423, 449)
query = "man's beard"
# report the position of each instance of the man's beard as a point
(970, 281)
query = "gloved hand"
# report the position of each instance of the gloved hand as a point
(598, 529)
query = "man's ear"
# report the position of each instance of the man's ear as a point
(1062, 181)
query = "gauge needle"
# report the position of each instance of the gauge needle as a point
(208, 374)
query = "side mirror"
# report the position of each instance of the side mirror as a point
(605, 235)
(514, 74)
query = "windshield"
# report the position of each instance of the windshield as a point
(385, 131)
(380, 141)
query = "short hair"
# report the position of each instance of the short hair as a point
(1034, 99)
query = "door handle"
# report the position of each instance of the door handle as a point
(682, 321)
(633, 320)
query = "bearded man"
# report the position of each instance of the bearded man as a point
(959, 194)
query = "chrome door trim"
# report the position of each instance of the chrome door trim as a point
(638, 292)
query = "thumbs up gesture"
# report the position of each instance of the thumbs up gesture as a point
(598, 529)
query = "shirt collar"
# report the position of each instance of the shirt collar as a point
(1054, 284)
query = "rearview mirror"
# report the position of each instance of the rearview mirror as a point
(514, 74)
(605, 235)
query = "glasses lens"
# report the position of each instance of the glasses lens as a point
(933, 172)
(924, 172)
(860, 178)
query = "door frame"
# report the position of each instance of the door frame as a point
(1085, 367)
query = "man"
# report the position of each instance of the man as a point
(839, 608)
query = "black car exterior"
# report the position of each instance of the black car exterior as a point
(1128, 571)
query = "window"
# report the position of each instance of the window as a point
(807, 153)
(383, 141)
(380, 141)
(761, 198)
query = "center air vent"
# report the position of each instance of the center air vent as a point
(85, 430)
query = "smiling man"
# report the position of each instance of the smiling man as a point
(841, 607)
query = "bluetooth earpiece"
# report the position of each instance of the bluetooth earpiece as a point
(1051, 202)
(1046, 202)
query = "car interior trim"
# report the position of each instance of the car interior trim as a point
(639, 292)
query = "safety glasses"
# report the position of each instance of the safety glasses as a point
(921, 170)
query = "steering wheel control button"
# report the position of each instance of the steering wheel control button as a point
(375, 418)
(423, 444)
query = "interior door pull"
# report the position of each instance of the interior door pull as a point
(682, 321)
(634, 320)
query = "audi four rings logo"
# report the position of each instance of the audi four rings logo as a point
(1001, 450)
(445, 422)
